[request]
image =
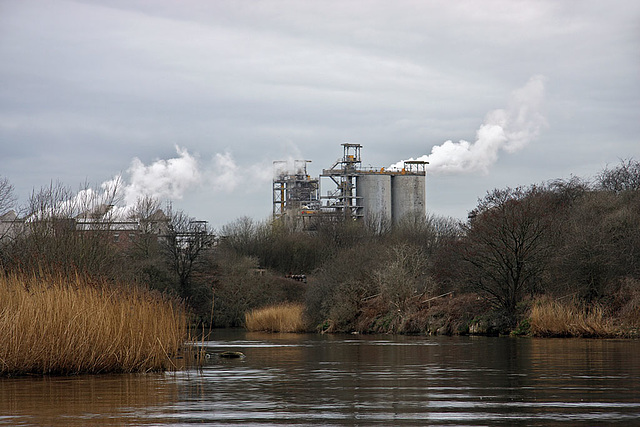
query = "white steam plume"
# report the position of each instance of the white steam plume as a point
(171, 179)
(163, 179)
(507, 129)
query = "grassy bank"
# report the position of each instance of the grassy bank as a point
(286, 317)
(71, 326)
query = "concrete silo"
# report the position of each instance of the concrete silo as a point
(380, 197)
(374, 195)
(408, 196)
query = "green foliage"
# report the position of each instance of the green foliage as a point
(523, 328)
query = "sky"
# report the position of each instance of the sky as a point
(193, 101)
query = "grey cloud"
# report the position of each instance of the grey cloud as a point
(90, 85)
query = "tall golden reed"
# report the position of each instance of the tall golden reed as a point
(552, 318)
(70, 326)
(286, 317)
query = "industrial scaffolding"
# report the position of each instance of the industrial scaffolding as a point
(294, 192)
(343, 200)
(381, 197)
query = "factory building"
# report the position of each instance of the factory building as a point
(295, 193)
(378, 196)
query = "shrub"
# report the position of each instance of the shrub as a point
(241, 287)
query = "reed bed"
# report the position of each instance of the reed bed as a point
(286, 317)
(71, 326)
(553, 318)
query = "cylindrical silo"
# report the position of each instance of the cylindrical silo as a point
(374, 195)
(407, 196)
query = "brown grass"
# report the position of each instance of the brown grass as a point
(60, 326)
(287, 317)
(553, 318)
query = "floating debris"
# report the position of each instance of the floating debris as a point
(232, 355)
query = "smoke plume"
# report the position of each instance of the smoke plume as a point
(172, 179)
(508, 129)
(163, 179)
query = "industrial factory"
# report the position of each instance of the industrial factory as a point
(347, 190)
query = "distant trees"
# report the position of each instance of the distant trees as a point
(288, 249)
(7, 224)
(343, 284)
(565, 238)
(240, 286)
(624, 177)
(50, 242)
(7, 196)
(600, 243)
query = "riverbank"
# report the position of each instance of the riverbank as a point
(468, 314)
(67, 326)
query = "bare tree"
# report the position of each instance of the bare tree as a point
(9, 221)
(7, 196)
(186, 241)
(601, 244)
(505, 244)
(66, 232)
(403, 276)
(624, 177)
(241, 235)
(151, 222)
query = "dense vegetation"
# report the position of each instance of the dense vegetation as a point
(524, 257)
(56, 325)
(565, 245)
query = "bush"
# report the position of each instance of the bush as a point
(342, 286)
(241, 286)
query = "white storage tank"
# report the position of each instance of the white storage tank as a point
(408, 196)
(374, 195)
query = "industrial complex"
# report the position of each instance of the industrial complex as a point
(378, 196)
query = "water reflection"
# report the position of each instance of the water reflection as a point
(354, 380)
(82, 400)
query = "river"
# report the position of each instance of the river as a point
(353, 380)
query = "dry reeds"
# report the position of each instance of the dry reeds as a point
(287, 317)
(60, 326)
(553, 318)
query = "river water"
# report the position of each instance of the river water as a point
(354, 380)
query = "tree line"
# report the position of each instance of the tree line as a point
(567, 238)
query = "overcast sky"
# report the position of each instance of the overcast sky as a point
(194, 100)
